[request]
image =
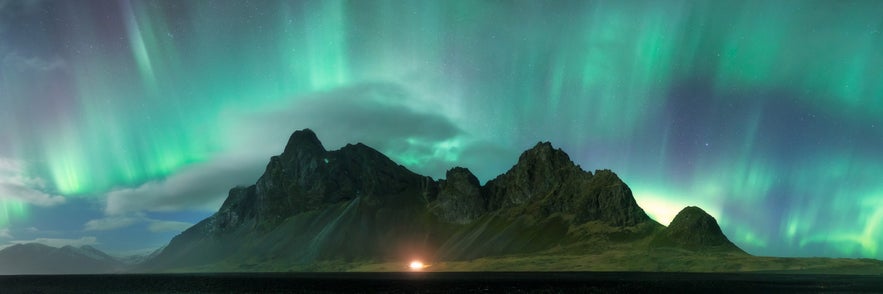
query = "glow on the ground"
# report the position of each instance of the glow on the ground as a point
(416, 265)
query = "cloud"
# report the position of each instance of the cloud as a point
(115, 222)
(14, 185)
(199, 187)
(110, 223)
(375, 114)
(18, 62)
(157, 226)
(88, 240)
(4, 233)
(382, 116)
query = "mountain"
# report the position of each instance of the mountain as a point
(35, 258)
(314, 209)
(135, 259)
(693, 228)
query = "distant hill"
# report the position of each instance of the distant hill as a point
(694, 229)
(136, 259)
(35, 258)
(314, 209)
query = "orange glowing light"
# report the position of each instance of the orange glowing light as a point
(416, 265)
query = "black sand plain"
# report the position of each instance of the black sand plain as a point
(445, 282)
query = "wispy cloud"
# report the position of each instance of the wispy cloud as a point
(14, 185)
(57, 242)
(115, 222)
(110, 223)
(377, 115)
(157, 226)
(20, 62)
(374, 114)
(199, 187)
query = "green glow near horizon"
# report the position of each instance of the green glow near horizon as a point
(692, 102)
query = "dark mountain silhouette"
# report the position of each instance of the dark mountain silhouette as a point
(313, 208)
(35, 258)
(694, 229)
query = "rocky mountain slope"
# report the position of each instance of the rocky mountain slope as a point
(35, 258)
(694, 229)
(314, 209)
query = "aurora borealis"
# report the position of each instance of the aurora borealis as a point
(124, 121)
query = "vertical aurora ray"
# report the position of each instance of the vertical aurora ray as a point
(166, 98)
(764, 113)
(326, 51)
(10, 211)
(137, 43)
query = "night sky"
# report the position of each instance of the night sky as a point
(122, 123)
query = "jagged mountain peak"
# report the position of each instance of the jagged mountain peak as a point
(461, 174)
(356, 203)
(362, 150)
(303, 142)
(540, 170)
(459, 199)
(544, 153)
(607, 176)
(544, 166)
(306, 177)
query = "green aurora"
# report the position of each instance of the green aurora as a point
(765, 113)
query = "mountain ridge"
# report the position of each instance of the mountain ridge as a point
(355, 204)
(36, 258)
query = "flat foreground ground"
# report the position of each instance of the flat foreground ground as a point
(443, 282)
